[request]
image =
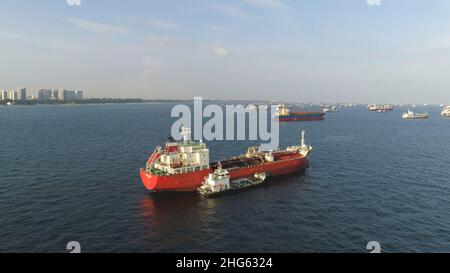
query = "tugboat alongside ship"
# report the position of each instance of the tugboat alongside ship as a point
(183, 166)
(218, 183)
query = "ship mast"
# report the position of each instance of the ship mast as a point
(303, 143)
(186, 134)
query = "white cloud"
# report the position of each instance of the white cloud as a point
(219, 50)
(151, 66)
(218, 29)
(35, 41)
(232, 10)
(267, 3)
(435, 44)
(159, 40)
(439, 43)
(163, 24)
(100, 28)
(374, 2)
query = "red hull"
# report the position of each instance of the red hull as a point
(192, 181)
(302, 116)
(301, 119)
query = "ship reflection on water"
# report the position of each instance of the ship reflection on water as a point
(187, 221)
(176, 218)
(164, 208)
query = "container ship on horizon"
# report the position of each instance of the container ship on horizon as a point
(285, 114)
(183, 166)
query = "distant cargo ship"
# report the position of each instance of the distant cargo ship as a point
(413, 115)
(380, 108)
(284, 114)
(182, 166)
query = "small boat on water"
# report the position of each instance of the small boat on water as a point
(218, 182)
(9, 103)
(446, 112)
(412, 115)
(330, 109)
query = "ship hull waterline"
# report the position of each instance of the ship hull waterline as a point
(302, 116)
(193, 180)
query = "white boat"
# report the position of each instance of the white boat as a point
(216, 182)
(412, 115)
(446, 112)
(9, 103)
(330, 109)
(219, 182)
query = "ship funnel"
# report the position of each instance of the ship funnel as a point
(185, 133)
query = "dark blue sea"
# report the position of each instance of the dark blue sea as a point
(70, 173)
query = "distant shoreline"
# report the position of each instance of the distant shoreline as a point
(86, 101)
(138, 100)
(113, 101)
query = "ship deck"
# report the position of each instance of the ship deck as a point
(243, 161)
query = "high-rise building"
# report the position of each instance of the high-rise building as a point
(55, 95)
(65, 94)
(44, 94)
(22, 93)
(3, 95)
(12, 95)
(79, 95)
(61, 93)
(70, 95)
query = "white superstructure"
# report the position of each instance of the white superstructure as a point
(282, 110)
(412, 115)
(380, 107)
(330, 108)
(446, 112)
(216, 182)
(183, 157)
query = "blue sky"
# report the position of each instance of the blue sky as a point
(321, 50)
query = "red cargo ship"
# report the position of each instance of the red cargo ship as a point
(182, 166)
(285, 114)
